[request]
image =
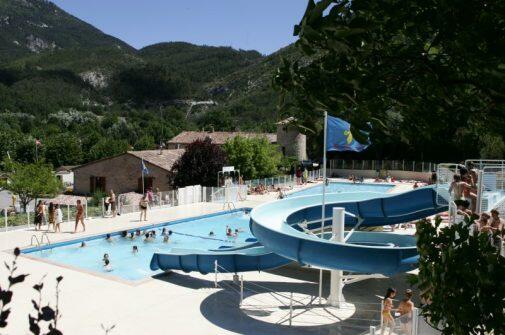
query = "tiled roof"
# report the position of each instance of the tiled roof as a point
(218, 137)
(163, 159)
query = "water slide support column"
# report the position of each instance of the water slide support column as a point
(336, 297)
(323, 202)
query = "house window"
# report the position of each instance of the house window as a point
(97, 184)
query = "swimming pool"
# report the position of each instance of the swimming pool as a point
(339, 187)
(192, 233)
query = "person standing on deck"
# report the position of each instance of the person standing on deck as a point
(58, 219)
(79, 216)
(112, 202)
(143, 204)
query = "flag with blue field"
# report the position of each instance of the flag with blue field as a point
(339, 136)
(144, 168)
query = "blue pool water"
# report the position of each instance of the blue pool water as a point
(189, 234)
(342, 188)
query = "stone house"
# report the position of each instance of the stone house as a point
(123, 173)
(182, 140)
(291, 142)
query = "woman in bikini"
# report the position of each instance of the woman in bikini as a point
(79, 216)
(387, 308)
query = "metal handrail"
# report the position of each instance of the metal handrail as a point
(47, 238)
(36, 239)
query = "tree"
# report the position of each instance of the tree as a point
(461, 279)
(199, 164)
(492, 147)
(146, 142)
(63, 149)
(431, 68)
(254, 157)
(31, 181)
(107, 148)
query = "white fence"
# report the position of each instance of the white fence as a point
(377, 165)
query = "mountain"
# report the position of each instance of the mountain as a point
(90, 95)
(31, 27)
(199, 64)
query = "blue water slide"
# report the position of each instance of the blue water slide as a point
(251, 257)
(281, 238)
(276, 225)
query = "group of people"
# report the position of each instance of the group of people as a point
(54, 216)
(464, 194)
(110, 204)
(403, 312)
(302, 175)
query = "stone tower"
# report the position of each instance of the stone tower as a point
(290, 140)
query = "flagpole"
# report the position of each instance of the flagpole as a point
(143, 164)
(323, 204)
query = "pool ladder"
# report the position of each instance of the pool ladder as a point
(39, 242)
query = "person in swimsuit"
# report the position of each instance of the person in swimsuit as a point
(143, 204)
(405, 309)
(496, 223)
(58, 218)
(460, 188)
(112, 202)
(387, 308)
(52, 216)
(79, 216)
(482, 224)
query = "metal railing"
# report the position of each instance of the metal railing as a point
(377, 165)
(285, 181)
(14, 219)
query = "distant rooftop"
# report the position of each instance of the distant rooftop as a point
(218, 137)
(161, 158)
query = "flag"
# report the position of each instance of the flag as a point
(339, 136)
(144, 168)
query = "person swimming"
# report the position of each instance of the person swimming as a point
(135, 249)
(106, 265)
(124, 234)
(211, 233)
(229, 232)
(108, 238)
(138, 232)
(163, 231)
(148, 237)
(166, 239)
(132, 236)
(83, 244)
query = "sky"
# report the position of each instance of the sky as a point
(263, 25)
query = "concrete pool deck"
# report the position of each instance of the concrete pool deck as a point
(175, 303)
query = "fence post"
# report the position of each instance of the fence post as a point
(68, 213)
(5, 217)
(215, 273)
(290, 308)
(241, 289)
(28, 217)
(415, 321)
(372, 330)
(103, 207)
(382, 308)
